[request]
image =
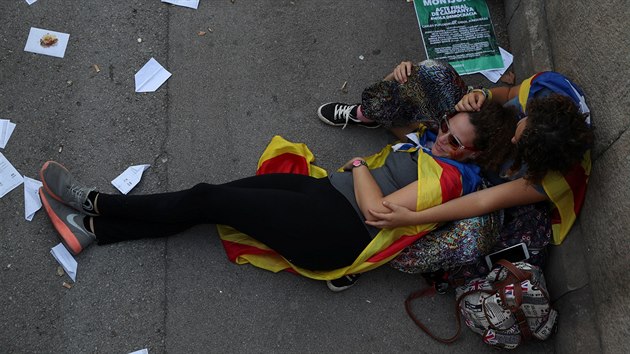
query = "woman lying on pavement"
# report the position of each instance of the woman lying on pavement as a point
(316, 225)
(552, 161)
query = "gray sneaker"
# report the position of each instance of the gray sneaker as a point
(68, 223)
(60, 185)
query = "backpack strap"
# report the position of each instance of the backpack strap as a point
(519, 276)
(432, 291)
(514, 274)
(521, 319)
(424, 293)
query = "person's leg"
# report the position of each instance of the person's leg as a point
(382, 103)
(341, 114)
(304, 219)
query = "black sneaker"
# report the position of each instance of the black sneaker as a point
(343, 283)
(341, 114)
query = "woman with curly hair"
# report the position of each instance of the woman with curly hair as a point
(551, 161)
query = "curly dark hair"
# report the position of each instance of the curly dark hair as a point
(494, 126)
(555, 138)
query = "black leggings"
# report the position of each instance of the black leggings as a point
(304, 219)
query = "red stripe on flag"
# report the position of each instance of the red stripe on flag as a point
(537, 75)
(576, 179)
(396, 247)
(234, 250)
(284, 163)
(450, 181)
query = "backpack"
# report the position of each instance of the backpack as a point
(510, 305)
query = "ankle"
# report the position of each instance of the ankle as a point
(90, 203)
(360, 116)
(88, 223)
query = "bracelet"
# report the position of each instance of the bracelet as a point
(485, 92)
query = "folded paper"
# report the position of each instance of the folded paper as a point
(65, 259)
(151, 76)
(6, 129)
(193, 4)
(128, 179)
(32, 202)
(10, 178)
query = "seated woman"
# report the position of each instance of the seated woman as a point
(315, 224)
(551, 163)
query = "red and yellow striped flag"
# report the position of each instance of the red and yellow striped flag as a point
(438, 182)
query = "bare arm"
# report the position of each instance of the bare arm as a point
(370, 197)
(473, 101)
(513, 193)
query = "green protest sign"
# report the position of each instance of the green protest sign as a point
(460, 32)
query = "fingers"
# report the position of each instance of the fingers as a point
(400, 74)
(403, 71)
(407, 65)
(470, 102)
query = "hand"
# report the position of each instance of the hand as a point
(396, 217)
(471, 102)
(348, 165)
(402, 71)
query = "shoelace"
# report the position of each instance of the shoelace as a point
(343, 111)
(81, 198)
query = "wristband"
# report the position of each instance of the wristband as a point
(485, 92)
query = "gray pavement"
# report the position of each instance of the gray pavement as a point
(263, 70)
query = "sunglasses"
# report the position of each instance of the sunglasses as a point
(453, 141)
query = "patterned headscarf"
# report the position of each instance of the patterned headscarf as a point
(433, 89)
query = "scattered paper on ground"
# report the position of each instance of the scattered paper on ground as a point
(32, 202)
(6, 129)
(10, 178)
(495, 75)
(65, 259)
(128, 179)
(141, 351)
(47, 42)
(151, 76)
(30, 2)
(185, 3)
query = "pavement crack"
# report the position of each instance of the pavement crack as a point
(518, 4)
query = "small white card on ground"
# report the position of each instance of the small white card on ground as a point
(32, 202)
(141, 351)
(151, 76)
(6, 129)
(30, 2)
(130, 178)
(10, 178)
(495, 75)
(42, 41)
(65, 259)
(193, 4)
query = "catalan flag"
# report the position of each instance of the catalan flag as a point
(567, 191)
(438, 182)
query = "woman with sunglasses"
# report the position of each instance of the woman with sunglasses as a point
(316, 224)
(551, 161)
